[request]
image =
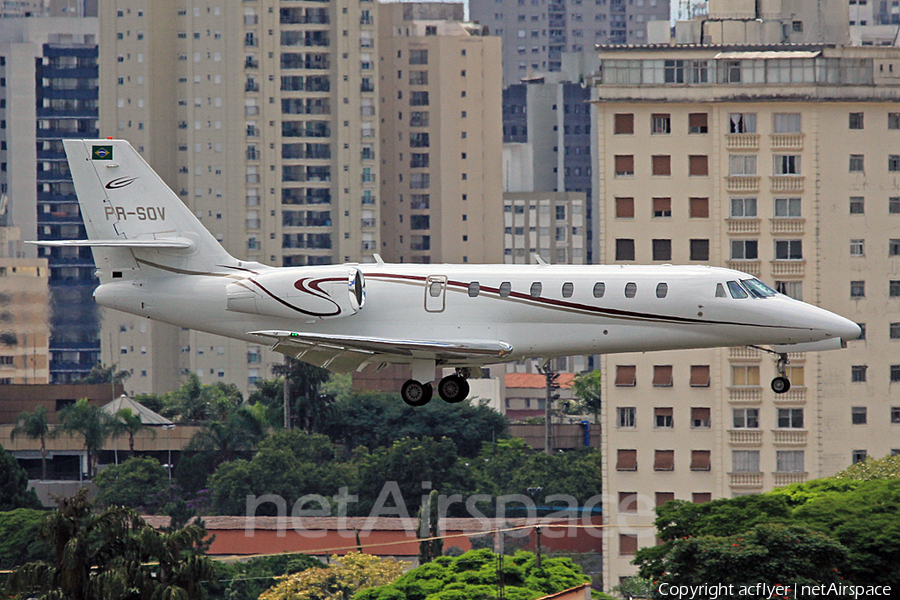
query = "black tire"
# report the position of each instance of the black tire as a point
(780, 385)
(453, 389)
(414, 393)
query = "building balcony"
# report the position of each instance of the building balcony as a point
(56, 134)
(47, 197)
(742, 141)
(789, 437)
(746, 480)
(787, 183)
(780, 479)
(91, 93)
(788, 268)
(792, 226)
(70, 73)
(751, 267)
(786, 141)
(750, 394)
(52, 176)
(743, 353)
(742, 183)
(72, 113)
(743, 226)
(59, 218)
(745, 437)
(368, 223)
(797, 393)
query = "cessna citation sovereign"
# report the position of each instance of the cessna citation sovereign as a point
(154, 259)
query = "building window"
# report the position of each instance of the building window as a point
(856, 120)
(661, 165)
(626, 460)
(894, 288)
(744, 250)
(742, 164)
(700, 417)
(745, 376)
(857, 163)
(623, 124)
(787, 208)
(699, 249)
(789, 461)
(697, 123)
(624, 165)
(662, 417)
(745, 461)
(698, 208)
(894, 205)
(857, 205)
(859, 456)
(700, 460)
(743, 208)
(662, 376)
(664, 460)
(786, 164)
(895, 414)
(626, 417)
(624, 249)
(794, 289)
(745, 418)
(857, 289)
(698, 165)
(699, 375)
(625, 375)
(895, 331)
(663, 497)
(859, 415)
(742, 122)
(662, 207)
(894, 247)
(858, 373)
(628, 502)
(701, 497)
(662, 250)
(788, 249)
(660, 124)
(786, 123)
(893, 120)
(628, 544)
(894, 162)
(790, 418)
(624, 208)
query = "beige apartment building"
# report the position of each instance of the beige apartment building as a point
(441, 136)
(784, 163)
(262, 116)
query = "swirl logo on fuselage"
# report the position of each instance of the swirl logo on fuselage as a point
(119, 183)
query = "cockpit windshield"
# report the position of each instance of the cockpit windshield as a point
(757, 288)
(736, 290)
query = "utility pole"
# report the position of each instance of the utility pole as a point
(287, 397)
(537, 532)
(551, 380)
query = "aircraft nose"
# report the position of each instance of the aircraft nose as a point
(845, 329)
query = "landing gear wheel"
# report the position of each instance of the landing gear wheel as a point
(453, 388)
(415, 393)
(781, 385)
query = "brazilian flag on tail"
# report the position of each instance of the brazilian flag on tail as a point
(101, 153)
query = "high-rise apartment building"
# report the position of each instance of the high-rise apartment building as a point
(261, 115)
(441, 141)
(536, 33)
(784, 164)
(48, 92)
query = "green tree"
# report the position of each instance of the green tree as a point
(112, 555)
(765, 553)
(136, 483)
(91, 423)
(20, 537)
(309, 408)
(587, 388)
(429, 524)
(872, 468)
(476, 574)
(350, 573)
(127, 423)
(226, 439)
(100, 373)
(14, 492)
(34, 425)
(269, 397)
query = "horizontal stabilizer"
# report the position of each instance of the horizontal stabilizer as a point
(176, 243)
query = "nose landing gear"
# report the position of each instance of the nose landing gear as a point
(781, 384)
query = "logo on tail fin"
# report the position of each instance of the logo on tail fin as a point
(101, 153)
(119, 183)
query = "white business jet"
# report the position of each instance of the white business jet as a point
(154, 259)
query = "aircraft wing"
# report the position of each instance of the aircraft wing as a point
(344, 353)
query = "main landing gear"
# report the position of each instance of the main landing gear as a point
(781, 384)
(452, 388)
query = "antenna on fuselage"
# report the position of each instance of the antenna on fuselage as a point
(540, 261)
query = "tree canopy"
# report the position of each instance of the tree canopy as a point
(14, 492)
(137, 482)
(347, 575)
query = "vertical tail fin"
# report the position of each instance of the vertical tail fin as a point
(132, 217)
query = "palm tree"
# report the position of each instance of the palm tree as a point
(34, 425)
(126, 422)
(90, 422)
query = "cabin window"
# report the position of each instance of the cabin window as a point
(599, 289)
(505, 288)
(736, 290)
(536, 289)
(474, 289)
(720, 291)
(630, 290)
(435, 288)
(568, 289)
(661, 290)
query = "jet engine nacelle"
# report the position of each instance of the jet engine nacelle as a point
(304, 292)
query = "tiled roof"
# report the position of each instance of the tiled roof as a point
(536, 380)
(347, 524)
